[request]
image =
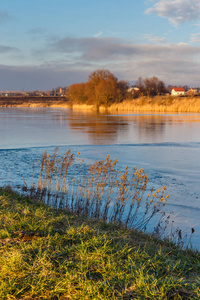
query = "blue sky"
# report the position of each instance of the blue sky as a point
(48, 43)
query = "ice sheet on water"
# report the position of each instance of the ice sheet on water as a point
(163, 165)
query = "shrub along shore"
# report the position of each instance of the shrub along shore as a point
(48, 253)
(155, 104)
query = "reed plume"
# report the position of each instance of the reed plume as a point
(98, 191)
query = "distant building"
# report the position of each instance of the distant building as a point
(134, 90)
(177, 91)
(59, 91)
(192, 91)
(13, 93)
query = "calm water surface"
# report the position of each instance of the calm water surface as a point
(167, 146)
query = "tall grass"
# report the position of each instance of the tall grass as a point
(98, 191)
(159, 104)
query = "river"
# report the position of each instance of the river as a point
(167, 146)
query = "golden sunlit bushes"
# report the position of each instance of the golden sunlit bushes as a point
(98, 191)
(102, 88)
(78, 93)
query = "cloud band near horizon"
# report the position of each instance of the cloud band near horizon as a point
(75, 59)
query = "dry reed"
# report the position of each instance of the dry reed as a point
(98, 191)
(159, 104)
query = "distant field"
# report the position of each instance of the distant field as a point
(20, 101)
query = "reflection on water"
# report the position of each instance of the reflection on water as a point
(25, 127)
(134, 128)
(101, 129)
(105, 129)
(151, 125)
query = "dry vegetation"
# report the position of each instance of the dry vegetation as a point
(159, 104)
(155, 104)
(98, 191)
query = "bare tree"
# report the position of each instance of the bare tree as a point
(151, 86)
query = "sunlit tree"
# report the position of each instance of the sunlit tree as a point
(78, 93)
(105, 89)
(102, 88)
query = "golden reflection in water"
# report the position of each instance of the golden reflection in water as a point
(150, 124)
(102, 128)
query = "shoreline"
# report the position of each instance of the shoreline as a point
(143, 104)
(69, 254)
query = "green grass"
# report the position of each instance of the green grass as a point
(52, 254)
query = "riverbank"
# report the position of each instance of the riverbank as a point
(52, 254)
(144, 104)
(51, 101)
(156, 104)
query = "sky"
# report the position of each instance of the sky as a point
(48, 43)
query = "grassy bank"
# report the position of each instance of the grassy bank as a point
(52, 254)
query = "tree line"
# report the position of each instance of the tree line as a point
(103, 88)
(151, 86)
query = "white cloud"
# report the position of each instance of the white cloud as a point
(195, 38)
(177, 11)
(154, 39)
(98, 34)
(183, 44)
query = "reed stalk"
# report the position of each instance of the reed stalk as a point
(98, 191)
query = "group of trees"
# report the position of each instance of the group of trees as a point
(151, 86)
(103, 88)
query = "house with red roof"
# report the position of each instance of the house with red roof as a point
(177, 91)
